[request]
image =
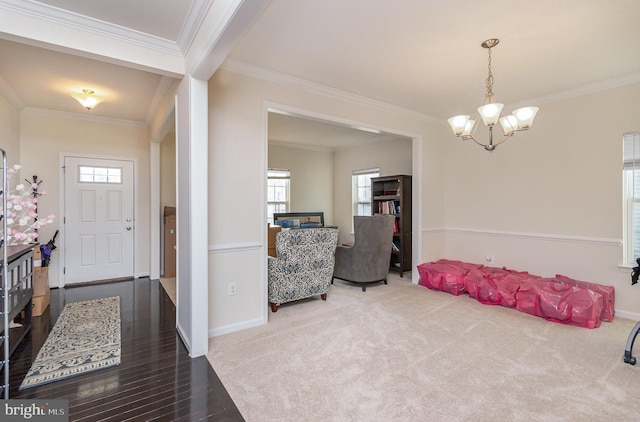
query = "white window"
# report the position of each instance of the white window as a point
(277, 192)
(631, 197)
(361, 190)
(88, 174)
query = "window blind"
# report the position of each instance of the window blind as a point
(631, 174)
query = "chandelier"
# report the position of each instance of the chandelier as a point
(491, 112)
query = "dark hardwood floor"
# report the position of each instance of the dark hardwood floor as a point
(156, 379)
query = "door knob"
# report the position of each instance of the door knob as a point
(128, 227)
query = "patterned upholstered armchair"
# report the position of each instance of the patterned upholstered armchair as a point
(304, 265)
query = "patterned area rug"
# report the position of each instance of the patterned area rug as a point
(85, 338)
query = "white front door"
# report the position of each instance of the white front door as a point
(99, 224)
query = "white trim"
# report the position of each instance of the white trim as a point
(185, 338)
(61, 209)
(534, 236)
(326, 91)
(11, 96)
(235, 247)
(55, 15)
(581, 90)
(281, 78)
(237, 327)
(86, 117)
(627, 315)
(155, 213)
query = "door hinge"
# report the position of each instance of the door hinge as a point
(64, 270)
(64, 169)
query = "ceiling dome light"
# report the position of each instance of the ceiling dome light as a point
(87, 98)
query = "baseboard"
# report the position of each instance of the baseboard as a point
(627, 315)
(185, 339)
(236, 327)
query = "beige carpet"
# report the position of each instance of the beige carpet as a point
(169, 285)
(404, 353)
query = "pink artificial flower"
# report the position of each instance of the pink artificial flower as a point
(34, 186)
(44, 192)
(35, 200)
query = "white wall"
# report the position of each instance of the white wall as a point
(237, 173)
(10, 132)
(390, 156)
(44, 137)
(311, 172)
(549, 200)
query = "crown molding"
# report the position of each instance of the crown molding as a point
(281, 78)
(85, 117)
(161, 91)
(305, 147)
(195, 16)
(10, 94)
(47, 13)
(593, 88)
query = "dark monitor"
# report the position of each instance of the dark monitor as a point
(299, 219)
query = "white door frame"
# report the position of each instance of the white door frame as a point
(61, 210)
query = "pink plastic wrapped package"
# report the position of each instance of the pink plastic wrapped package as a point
(445, 277)
(460, 264)
(494, 286)
(560, 302)
(607, 293)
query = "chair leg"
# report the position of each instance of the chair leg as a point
(274, 307)
(385, 281)
(364, 288)
(323, 296)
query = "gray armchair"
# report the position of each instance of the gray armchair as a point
(367, 261)
(304, 265)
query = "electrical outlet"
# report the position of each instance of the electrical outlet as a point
(232, 288)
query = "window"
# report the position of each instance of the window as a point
(362, 190)
(631, 197)
(277, 192)
(99, 174)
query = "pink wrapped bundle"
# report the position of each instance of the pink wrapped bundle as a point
(460, 264)
(445, 277)
(607, 293)
(560, 302)
(483, 289)
(494, 286)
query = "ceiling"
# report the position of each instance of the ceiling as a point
(419, 55)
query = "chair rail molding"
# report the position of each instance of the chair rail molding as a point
(531, 236)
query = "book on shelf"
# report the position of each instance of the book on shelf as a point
(389, 207)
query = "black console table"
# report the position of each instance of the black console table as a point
(20, 291)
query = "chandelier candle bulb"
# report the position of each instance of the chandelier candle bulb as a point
(491, 112)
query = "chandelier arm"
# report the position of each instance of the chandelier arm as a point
(492, 145)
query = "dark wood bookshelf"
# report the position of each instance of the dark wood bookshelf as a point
(392, 195)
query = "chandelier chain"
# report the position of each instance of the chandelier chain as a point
(489, 80)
